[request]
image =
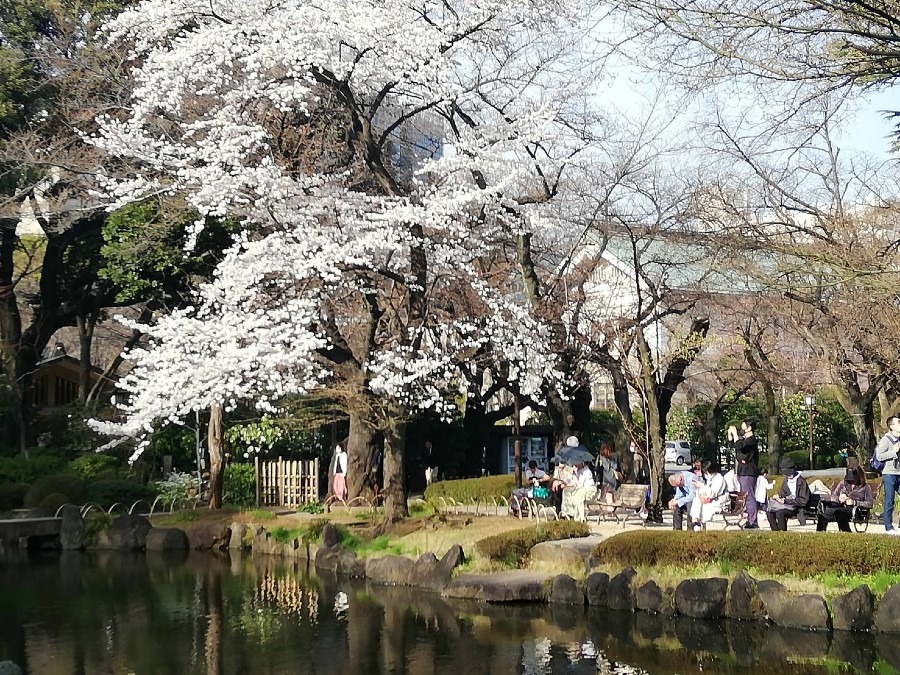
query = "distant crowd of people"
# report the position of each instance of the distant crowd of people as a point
(701, 493)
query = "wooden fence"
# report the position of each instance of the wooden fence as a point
(286, 483)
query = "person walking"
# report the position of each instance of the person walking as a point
(746, 455)
(886, 451)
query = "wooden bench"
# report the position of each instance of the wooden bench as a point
(733, 516)
(628, 503)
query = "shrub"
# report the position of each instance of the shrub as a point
(51, 503)
(91, 465)
(12, 495)
(512, 548)
(67, 484)
(94, 523)
(314, 508)
(21, 470)
(766, 552)
(283, 535)
(240, 484)
(119, 491)
(178, 488)
(800, 457)
(465, 490)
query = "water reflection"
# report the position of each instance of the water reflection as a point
(199, 613)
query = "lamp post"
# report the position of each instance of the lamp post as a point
(810, 401)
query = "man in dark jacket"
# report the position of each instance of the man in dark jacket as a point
(793, 496)
(746, 456)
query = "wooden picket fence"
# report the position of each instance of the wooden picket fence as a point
(289, 483)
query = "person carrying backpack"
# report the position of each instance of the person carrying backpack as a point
(886, 451)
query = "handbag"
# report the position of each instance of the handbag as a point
(540, 493)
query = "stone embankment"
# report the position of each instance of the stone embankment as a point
(742, 597)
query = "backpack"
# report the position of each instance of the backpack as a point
(877, 464)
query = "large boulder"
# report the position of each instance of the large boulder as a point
(512, 586)
(349, 565)
(854, 610)
(808, 612)
(649, 597)
(743, 599)
(71, 529)
(391, 570)
(167, 539)
(565, 590)
(701, 598)
(236, 541)
(562, 553)
(453, 558)
(595, 589)
(328, 559)
(429, 573)
(619, 594)
(127, 533)
(887, 619)
(773, 595)
(209, 536)
(331, 536)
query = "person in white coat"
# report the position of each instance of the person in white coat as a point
(712, 496)
(339, 473)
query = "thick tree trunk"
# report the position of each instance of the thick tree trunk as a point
(11, 338)
(362, 453)
(863, 417)
(395, 504)
(86, 324)
(860, 406)
(216, 443)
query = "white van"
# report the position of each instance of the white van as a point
(678, 452)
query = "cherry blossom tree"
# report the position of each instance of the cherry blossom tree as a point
(374, 154)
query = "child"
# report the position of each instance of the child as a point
(762, 488)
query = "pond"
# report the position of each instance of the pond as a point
(113, 613)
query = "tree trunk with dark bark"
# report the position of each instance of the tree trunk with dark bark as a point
(362, 453)
(85, 324)
(395, 504)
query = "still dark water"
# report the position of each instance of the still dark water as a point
(113, 613)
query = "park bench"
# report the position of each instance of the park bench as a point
(733, 516)
(629, 501)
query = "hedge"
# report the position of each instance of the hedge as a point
(806, 555)
(512, 548)
(240, 484)
(480, 489)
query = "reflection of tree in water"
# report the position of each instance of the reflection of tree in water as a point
(112, 613)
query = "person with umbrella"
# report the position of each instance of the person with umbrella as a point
(580, 486)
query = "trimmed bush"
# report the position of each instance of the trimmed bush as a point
(512, 548)
(51, 503)
(21, 470)
(240, 484)
(765, 552)
(67, 484)
(118, 491)
(12, 495)
(467, 489)
(91, 465)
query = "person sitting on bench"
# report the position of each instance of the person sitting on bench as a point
(793, 496)
(850, 492)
